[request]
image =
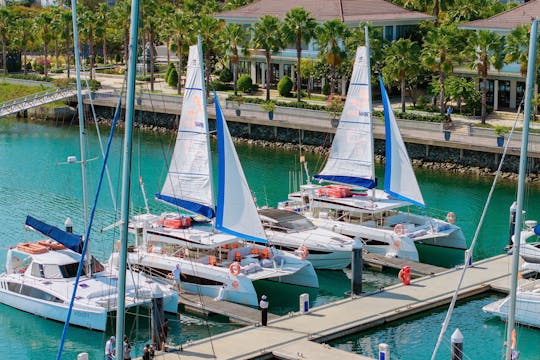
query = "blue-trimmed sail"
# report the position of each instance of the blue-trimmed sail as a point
(351, 156)
(71, 241)
(399, 178)
(189, 181)
(236, 213)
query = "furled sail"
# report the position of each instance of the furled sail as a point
(236, 213)
(69, 240)
(399, 178)
(189, 181)
(351, 155)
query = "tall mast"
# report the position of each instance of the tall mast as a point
(368, 60)
(205, 111)
(82, 130)
(126, 177)
(531, 70)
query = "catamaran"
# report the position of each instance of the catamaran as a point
(221, 250)
(351, 205)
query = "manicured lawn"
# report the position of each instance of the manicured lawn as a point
(13, 91)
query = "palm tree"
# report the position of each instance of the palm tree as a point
(517, 48)
(5, 24)
(442, 50)
(87, 25)
(121, 17)
(66, 35)
(21, 38)
(235, 37)
(182, 36)
(488, 50)
(401, 62)
(102, 17)
(208, 27)
(151, 19)
(357, 37)
(331, 38)
(42, 27)
(266, 36)
(298, 26)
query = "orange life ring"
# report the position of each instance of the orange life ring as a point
(235, 268)
(265, 253)
(302, 252)
(399, 229)
(451, 217)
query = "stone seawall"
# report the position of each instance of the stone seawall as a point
(425, 156)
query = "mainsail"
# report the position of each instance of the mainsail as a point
(189, 182)
(236, 213)
(399, 178)
(351, 156)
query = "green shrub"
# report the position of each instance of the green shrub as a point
(64, 82)
(245, 83)
(285, 86)
(172, 79)
(57, 70)
(220, 86)
(118, 58)
(326, 89)
(225, 75)
(168, 72)
(143, 77)
(94, 85)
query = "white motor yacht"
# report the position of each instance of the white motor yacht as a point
(291, 231)
(40, 276)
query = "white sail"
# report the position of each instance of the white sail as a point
(351, 156)
(399, 178)
(189, 180)
(236, 213)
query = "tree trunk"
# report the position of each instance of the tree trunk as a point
(403, 94)
(441, 94)
(484, 100)
(235, 75)
(168, 43)
(45, 67)
(68, 56)
(24, 65)
(4, 55)
(56, 52)
(151, 60)
(180, 54)
(298, 79)
(104, 49)
(268, 72)
(126, 45)
(91, 52)
(332, 80)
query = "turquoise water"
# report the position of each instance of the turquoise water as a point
(33, 182)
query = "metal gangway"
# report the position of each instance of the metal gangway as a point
(37, 99)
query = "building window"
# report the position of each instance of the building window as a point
(489, 93)
(389, 33)
(503, 98)
(520, 92)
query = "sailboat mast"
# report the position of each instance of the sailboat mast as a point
(531, 70)
(205, 111)
(126, 177)
(82, 130)
(368, 60)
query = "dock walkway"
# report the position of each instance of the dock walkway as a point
(332, 321)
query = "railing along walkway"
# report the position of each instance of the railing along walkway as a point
(37, 99)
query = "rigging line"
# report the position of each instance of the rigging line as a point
(87, 240)
(475, 238)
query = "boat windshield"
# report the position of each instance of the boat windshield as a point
(297, 224)
(65, 271)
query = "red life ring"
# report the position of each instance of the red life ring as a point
(302, 252)
(399, 229)
(451, 217)
(235, 268)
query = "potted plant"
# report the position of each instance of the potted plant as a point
(238, 101)
(500, 132)
(269, 106)
(334, 105)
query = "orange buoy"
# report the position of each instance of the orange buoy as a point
(302, 252)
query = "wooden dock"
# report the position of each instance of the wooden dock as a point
(299, 334)
(381, 262)
(207, 306)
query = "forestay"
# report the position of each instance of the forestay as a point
(351, 156)
(399, 178)
(236, 213)
(189, 180)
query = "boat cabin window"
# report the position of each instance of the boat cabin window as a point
(297, 224)
(33, 292)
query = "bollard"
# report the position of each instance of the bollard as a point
(468, 257)
(356, 266)
(384, 351)
(82, 356)
(457, 345)
(69, 225)
(304, 303)
(157, 318)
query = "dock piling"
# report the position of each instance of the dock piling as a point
(356, 266)
(157, 319)
(457, 345)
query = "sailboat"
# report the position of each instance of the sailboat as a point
(523, 304)
(46, 277)
(222, 249)
(351, 205)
